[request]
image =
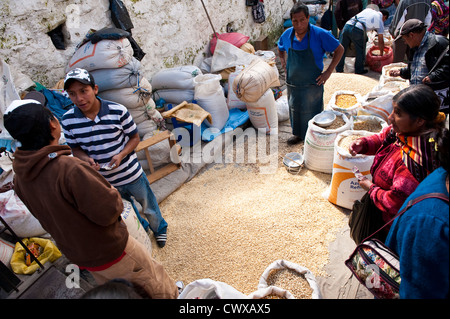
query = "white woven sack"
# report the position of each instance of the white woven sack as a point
(210, 289)
(181, 77)
(285, 264)
(282, 108)
(174, 96)
(209, 96)
(319, 145)
(105, 54)
(377, 103)
(385, 77)
(271, 291)
(254, 80)
(131, 97)
(344, 188)
(351, 110)
(263, 113)
(18, 217)
(117, 78)
(134, 226)
(232, 100)
(369, 118)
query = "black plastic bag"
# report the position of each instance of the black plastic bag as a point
(365, 219)
(258, 13)
(109, 34)
(122, 20)
(119, 15)
(57, 37)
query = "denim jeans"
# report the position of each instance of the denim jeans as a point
(141, 191)
(353, 34)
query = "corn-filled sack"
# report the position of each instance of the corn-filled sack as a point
(252, 82)
(263, 113)
(105, 54)
(319, 143)
(345, 102)
(134, 226)
(377, 103)
(344, 188)
(181, 78)
(117, 78)
(209, 96)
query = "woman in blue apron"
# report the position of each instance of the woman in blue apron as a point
(304, 77)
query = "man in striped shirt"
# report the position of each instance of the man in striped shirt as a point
(104, 134)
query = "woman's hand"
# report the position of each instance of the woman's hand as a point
(356, 147)
(365, 183)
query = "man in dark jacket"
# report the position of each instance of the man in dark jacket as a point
(76, 205)
(428, 59)
(345, 10)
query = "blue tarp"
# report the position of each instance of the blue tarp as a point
(236, 118)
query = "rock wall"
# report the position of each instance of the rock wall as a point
(170, 32)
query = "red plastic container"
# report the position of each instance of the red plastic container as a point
(376, 62)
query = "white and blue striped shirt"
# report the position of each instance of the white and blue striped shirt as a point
(104, 137)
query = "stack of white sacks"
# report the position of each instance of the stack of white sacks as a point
(249, 86)
(321, 148)
(117, 74)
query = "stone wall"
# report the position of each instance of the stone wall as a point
(170, 32)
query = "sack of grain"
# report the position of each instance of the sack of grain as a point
(346, 102)
(282, 108)
(378, 103)
(181, 78)
(134, 226)
(174, 96)
(296, 279)
(252, 82)
(6, 252)
(131, 97)
(319, 143)
(271, 292)
(209, 96)
(232, 99)
(344, 188)
(385, 77)
(263, 113)
(105, 54)
(376, 61)
(18, 217)
(210, 289)
(117, 78)
(393, 86)
(369, 123)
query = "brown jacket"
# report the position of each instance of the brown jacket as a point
(73, 202)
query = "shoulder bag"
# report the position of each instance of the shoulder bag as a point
(376, 266)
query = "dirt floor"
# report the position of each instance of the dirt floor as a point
(230, 222)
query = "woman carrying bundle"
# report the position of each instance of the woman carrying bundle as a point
(404, 154)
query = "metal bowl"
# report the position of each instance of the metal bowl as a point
(324, 118)
(293, 161)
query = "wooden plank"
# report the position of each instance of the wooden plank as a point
(160, 173)
(153, 140)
